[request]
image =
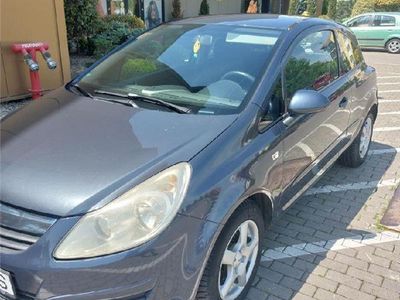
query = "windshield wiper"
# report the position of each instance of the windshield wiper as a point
(81, 90)
(129, 102)
(135, 97)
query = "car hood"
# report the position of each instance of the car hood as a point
(64, 154)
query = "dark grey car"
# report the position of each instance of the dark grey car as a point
(156, 172)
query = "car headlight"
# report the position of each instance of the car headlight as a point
(130, 220)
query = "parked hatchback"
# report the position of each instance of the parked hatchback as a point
(155, 173)
(377, 30)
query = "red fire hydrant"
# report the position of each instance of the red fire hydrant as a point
(28, 50)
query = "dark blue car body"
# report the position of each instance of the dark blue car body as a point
(63, 156)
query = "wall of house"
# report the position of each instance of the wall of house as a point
(27, 21)
(191, 8)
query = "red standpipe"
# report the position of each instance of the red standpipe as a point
(28, 50)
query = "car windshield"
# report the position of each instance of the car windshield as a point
(209, 69)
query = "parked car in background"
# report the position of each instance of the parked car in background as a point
(377, 30)
(155, 174)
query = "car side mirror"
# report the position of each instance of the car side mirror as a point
(307, 102)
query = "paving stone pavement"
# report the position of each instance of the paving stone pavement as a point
(329, 244)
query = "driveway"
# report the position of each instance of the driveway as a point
(329, 244)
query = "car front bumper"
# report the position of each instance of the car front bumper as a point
(167, 267)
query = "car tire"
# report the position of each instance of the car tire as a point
(240, 260)
(357, 152)
(393, 46)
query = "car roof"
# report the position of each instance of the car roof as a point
(388, 13)
(280, 22)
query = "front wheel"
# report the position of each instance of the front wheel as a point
(393, 46)
(234, 260)
(357, 152)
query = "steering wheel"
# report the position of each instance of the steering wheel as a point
(244, 79)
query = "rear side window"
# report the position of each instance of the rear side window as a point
(313, 63)
(384, 21)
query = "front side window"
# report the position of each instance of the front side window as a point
(348, 61)
(313, 63)
(209, 68)
(384, 21)
(275, 104)
(362, 21)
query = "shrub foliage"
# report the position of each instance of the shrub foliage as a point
(82, 20)
(332, 4)
(176, 9)
(204, 8)
(363, 6)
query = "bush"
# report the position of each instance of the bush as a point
(112, 34)
(82, 22)
(363, 6)
(137, 65)
(387, 5)
(132, 21)
(204, 8)
(325, 5)
(176, 9)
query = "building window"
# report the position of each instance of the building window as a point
(121, 7)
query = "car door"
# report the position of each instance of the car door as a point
(382, 27)
(311, 140)
(356, 72)
(361, 26)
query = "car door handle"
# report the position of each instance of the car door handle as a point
(343, 102)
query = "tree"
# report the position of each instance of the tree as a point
(176, 9)
(311, 7)
(292, 7)
(387, 5)
(343, 9)
(332, 9)
(363, 6)
(204, 8)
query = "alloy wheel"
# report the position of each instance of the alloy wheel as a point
(394, 46)
(238, 261)
(365, 138)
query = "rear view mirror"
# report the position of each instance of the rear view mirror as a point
(307, 101)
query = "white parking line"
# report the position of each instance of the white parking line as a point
(389, 101)
(351, 186)
(384, 151)
(389, 113)
(388, 83)
(381, 129)
(385, 77)
(355, 241)
(389, 91)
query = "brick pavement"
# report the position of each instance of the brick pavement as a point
(329, 244)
